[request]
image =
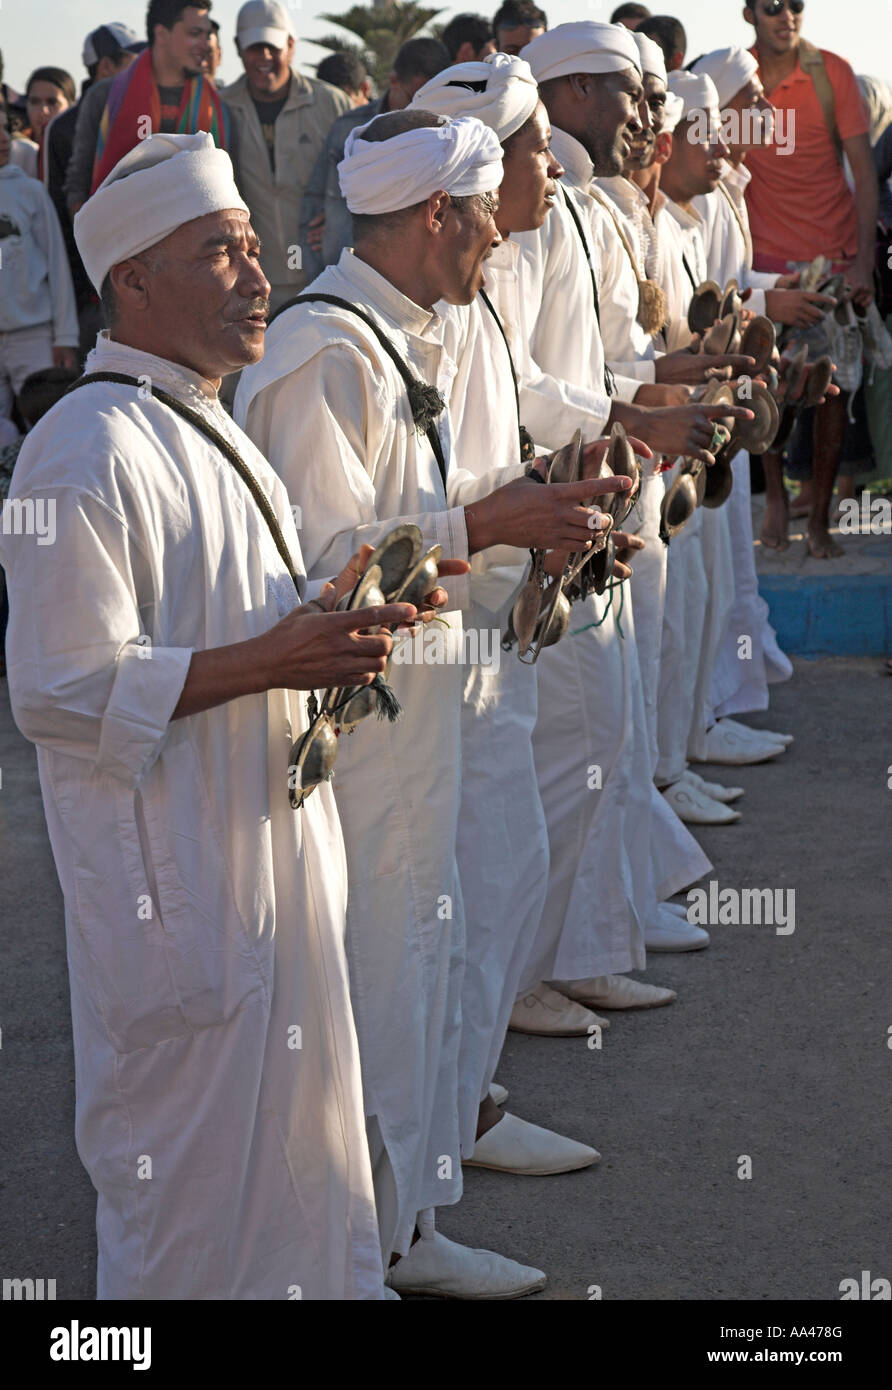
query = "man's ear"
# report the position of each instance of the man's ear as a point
(290, 49)
(130, 282)
(749, 16)
(578, 83)
(437, 212)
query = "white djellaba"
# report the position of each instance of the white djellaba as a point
(326, 378)
(738, 686)
(204, 917)
(218, 1110)
(502, 834)
(699, 579)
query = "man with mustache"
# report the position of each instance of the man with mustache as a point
(156, 651)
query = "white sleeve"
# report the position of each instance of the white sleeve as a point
(326, 457)
(81, 682)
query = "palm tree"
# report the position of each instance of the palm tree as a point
(382, 29)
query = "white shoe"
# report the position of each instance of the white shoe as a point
(545, 1012)
(744, 729)
(498, 1093)
(615, 992)
(435, 1265)
(678, 908)
(390, 1293)
(516, 1146)
(696, 808)
(714, 790)
(672, 932)
(724, 745)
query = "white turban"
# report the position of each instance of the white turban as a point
(582, 47)
(507, 97)
(698, 93)
(463, 157)
(651, 55)
(161, 183)
(729, 68)
(672, 112)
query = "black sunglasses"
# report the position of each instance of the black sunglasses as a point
(774, 7)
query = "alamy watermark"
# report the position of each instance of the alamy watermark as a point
(435, 644)
(30, 516)
(743, 907)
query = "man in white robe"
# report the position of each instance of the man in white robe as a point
(502, 845)
(629, 347)
(418, 190)
(741, 686)
(599, 823)
(155, 652)
(701, 600)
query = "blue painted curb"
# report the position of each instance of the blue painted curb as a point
(846, 616)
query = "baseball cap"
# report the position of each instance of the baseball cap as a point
(262, 22)
(108, 41)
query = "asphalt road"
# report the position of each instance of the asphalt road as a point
(778, 1050)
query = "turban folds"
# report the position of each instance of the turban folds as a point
(582, 47)
(698, 93)
(651, 55)
(463, 157)
(501, 92)
(672, 112)
(159, 185)
(729, 68)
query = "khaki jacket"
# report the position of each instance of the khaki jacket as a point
(274, 199)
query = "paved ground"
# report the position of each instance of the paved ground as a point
(866, 546)
(776, 1049)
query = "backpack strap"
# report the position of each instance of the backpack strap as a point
(811, 60)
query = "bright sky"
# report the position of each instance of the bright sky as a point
(36, 32)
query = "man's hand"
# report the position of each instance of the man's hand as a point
(626, 546)
(661, 395)
(65, 357)
(315, 230)
(859, 278)
(309, 651)
(688, 430)
(797, 307)
(687, 368)
(593, 454)
(331, 594)
(530, 516)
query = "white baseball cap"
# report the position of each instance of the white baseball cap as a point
(263, 22)
(108, 41)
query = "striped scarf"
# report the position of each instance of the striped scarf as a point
(134, 97)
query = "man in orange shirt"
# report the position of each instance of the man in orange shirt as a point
(800, 206)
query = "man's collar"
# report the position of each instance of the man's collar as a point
(383, 295)
(574, 157)
(109, 356)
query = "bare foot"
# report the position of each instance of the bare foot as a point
(820, 544)
(488, 1116)
(803, 504)
(774, 526)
